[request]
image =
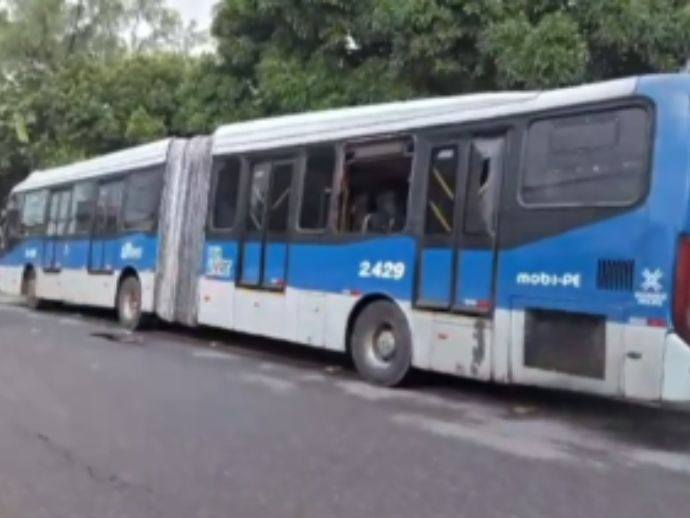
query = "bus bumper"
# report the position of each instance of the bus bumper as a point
(675, 386)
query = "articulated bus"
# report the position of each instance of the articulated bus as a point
(536, 238)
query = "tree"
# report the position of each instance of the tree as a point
(297, 53)
(45, 34)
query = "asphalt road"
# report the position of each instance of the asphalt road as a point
(198, 425)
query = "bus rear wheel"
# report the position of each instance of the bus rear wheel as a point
(129, 310)
(381, 344)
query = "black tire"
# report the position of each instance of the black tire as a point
(129, 310)
(381, 344)
(29, 290)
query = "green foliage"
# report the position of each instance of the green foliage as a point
(83, 77)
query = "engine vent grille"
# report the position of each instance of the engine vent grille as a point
(616, 275)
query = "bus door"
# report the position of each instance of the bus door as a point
(54, 252)
(103, 249)
(264, 254)
(458, 247)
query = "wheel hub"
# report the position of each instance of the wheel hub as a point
(384, 346)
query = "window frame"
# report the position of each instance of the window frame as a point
(72, 217)
(218, 162)
(581, 110)
(109, 180)
(303, 169)
(458, 146)
(40, 228)
(411, 137)
(127, 177)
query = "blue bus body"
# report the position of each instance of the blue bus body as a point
(577, 295)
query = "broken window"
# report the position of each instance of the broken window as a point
(376, 188)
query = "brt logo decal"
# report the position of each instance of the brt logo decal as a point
(130, 252)
(216, 265)
(550, 280)
(651, 291)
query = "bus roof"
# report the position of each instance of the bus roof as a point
(363, 121)
(125, 160)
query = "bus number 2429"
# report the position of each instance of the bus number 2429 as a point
(382, 270)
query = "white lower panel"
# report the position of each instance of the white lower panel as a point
(676, 376)
(216, 303)
(11, 279)
(82, 288)
(462, 346)
(643, 362)
(148, 291)
(260, 313)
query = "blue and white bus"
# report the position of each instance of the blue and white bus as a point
(537, 238)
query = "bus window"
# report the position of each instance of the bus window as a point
(440, 210)
(590, 159)
(317, 189)
(109, 207)
(34, 213)
(486, 165)
(376, 188)
(143, 200)
(59, 213)
(82, 209)
(227, 190)
(261, 178)
(279, 208)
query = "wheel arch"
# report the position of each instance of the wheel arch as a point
(126, 273)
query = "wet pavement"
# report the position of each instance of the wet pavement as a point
(176, 423)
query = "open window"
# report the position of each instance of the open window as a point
(376, 187)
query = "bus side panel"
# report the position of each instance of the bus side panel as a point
(217, 284)
(347, 273)
(137, 252)
(12, 264)
(382, 265)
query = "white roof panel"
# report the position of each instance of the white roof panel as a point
(126, 160)
(381, 119)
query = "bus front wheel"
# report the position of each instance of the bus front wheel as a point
(129, 309)
(381, 344)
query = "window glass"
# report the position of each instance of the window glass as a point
(81, 215)
(143, 200)
(317, 189)
(440, 210)
(258, 198)
(109, 207)
(281, 187)
(589, 159)
(34, 213)
(486, 166)
(227, 194)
